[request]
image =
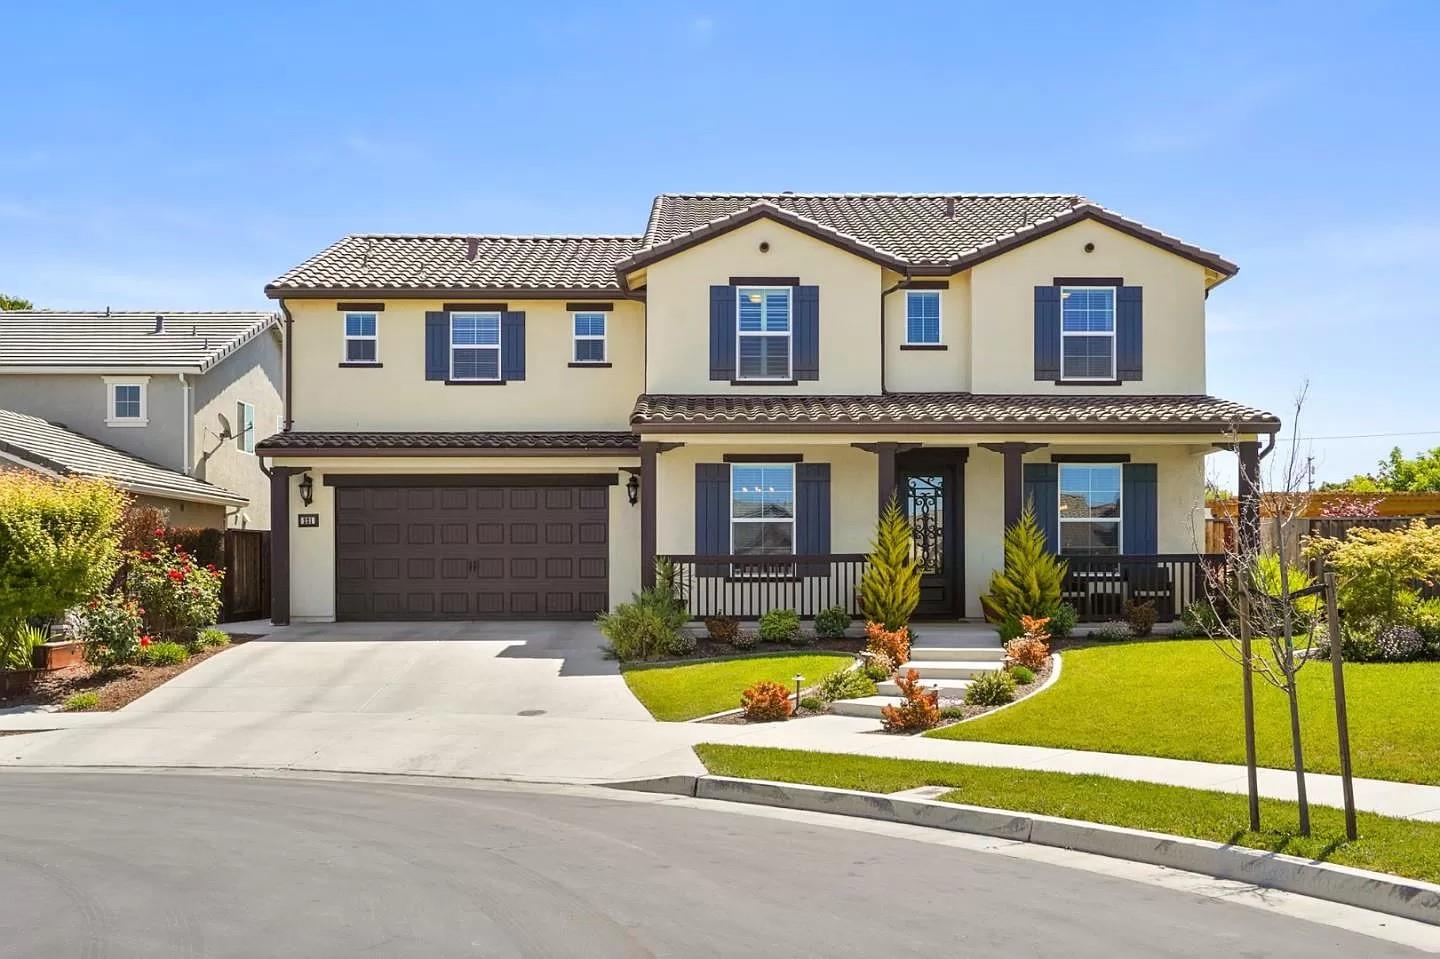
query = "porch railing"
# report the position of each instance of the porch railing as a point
(748, 586)
(1099, 586)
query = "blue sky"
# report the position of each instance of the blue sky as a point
(156, 156)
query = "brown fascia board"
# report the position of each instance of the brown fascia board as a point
(442, 292)
(641, 426)
(264, 450)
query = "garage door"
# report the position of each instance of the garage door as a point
(471, 552)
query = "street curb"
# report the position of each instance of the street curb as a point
(1408, 898)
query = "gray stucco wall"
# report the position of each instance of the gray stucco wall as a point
(253, 375)
(78, 401)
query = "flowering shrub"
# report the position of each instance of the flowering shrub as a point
(178, 595)
(1398, 644)
(920, 710)
(893, 644)
(110, 626)
(766, 702)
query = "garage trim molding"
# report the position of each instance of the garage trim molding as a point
(472, 479)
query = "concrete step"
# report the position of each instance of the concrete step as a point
(972, 654)
(949, 688)
(951, 668)
(869, 707)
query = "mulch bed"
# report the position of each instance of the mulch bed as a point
(738, 719)
(117, 688)
(714, 649)
(1041, 674)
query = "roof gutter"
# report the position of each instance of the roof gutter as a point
(187, 404)
(289, 420)
(905, 281)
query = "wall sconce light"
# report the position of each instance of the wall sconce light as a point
(307, 489)
(632, 488)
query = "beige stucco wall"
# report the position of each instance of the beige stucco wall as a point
(946, 370)
(1002, 309)
(253, 374)
(396, 396)
(678, 296)
(181, 513)
(312, 549)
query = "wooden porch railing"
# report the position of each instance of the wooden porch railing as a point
(1099, 586)
(748, 586)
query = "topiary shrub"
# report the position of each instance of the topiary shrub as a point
(745, 639)
(890, 586)
(161, 654)
(1398, 644)
(1140, 614)
(779, 625)
(920, 709)
(1023, 675)
(1029, 585)
(893, 644)
(832, 622)
(722, 629)
(847, 684)
(990, 689)
(766, 702)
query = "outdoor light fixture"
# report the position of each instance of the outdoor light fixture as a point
(307, 489)
(632, 488)
(798, 680)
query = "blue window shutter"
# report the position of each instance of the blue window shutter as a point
(1141, 505)
(722, 333)
(1047, 332)
(1042, 493)
(812, 515)
(712, 515)
(1129, 334)
(512, 345)
(437, 346)
(806, 332)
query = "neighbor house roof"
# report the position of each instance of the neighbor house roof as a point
(949, 413)
(424, 265)
(456, 444)
(51, 448)
(164, 340)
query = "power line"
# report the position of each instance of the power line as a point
(1354, 436)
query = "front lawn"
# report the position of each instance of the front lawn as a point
(1400, 846)
(674, 692)
(1181, 699)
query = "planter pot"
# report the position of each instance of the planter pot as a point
(58, 654)
(17, 682)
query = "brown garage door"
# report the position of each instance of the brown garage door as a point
(410, 552)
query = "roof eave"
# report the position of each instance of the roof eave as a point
(641, 425)
(435, 293)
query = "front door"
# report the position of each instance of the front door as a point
(931, 497)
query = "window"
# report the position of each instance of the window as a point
(762, 509)
(763, 332)
(589, 338)
(1090, 508)
(922, 317)
(475, 346)
(245, 427)
(1087, 333)
(361, 342)
(125, 401)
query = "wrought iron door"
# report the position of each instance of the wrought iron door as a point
(929, 498)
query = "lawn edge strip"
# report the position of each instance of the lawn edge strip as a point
(1380, 892)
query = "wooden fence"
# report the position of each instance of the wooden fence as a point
(247, 575)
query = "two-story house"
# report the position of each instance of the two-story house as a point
(491, 426)
(185, 395)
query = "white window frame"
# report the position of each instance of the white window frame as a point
(1114, 341)
(345, 338)
(789, 333)
(576, 338)
(499, 345)
(243, 443)
(939, 318)
(794, 512)
(1119, 520)
(111, 419)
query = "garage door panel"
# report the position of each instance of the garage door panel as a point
(593, 567)
(524, 534)
(489, 534)
(419, 534)
(524, 498)
(592, 534)
(557, 534)
(385, 534)
(594, 498)
(455, 534)
(454, 498)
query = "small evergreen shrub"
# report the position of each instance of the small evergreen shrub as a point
(890, 586)
(647, 626)
(1029, 585)
(847, 684)
(779, 625)
(813, 703)
(1199, 619)
(832, 622)
(1140, 614)
(920, 709)
(745, 639)
(211, 638)
(878, 669)
(990, 689)
(1023, 675)
(766, 702)
(722, 629)
(953, 712)
(1112, 632)
(1063, 621)
(893, 644)
(683, 643)
(81, 702)
(162, 654)
(1399, 644)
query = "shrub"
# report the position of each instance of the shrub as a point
(920, 710)
(205, 544)
(178, 596)
(59, 543)
(80, 702)
(878, 669)
(1063, 621)
(1023, 675)
(110, 626)
(990, 689)
(1111, 632)
(803, 637)
(1426, 617)
(745, 639)
(17, 645)
(683, 643)
(1398, 644)
(832, 622)
(1029, 585)
(1198, 619)
(847, 684)
(161, 654)
(1378, 571)
(211, 638)
(952, 712)
(779, 625)
(722, 629)
(894, 644)
(766, 702)
(890, 586)
(649, 625)
(813, 703)
(1009, 628)
(1027, 652)
(1140, 614)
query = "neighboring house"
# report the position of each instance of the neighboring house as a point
(491, 426)
(36, 445)
(188, 392)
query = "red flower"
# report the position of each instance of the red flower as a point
(146, 554)
(145, 640)
(175, 574)
(159, 531)
(211, 567)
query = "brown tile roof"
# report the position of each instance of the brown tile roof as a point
(949, 412)
(421, 265)
(127, 340)
(458, 444)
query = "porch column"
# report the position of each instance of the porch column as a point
(1014, 476)
(1248, 496)
(885, 468)
(280, 542)
(648, 451)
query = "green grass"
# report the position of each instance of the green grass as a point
(81, 702)
(1399, 846)
(678, 691)
(1181, 699)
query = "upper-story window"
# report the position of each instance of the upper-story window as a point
(1087, 333)
(589, 338)
(245, 427)
(762, 509)
(1090, 514)
(762, 330)
(474, 346)
(362, 341)
(125, 401)
(922, 318)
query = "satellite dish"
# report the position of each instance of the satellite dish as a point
(224, 426)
